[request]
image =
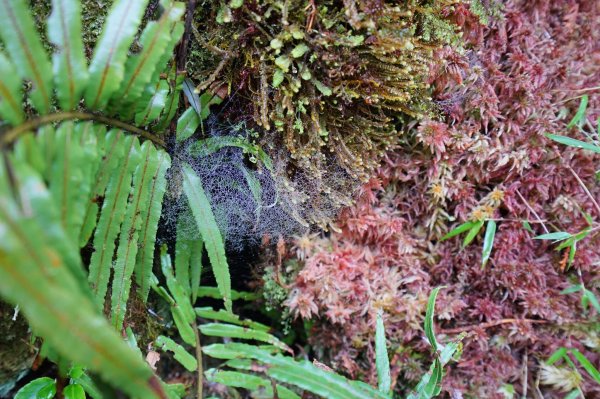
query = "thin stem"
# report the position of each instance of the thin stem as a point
(12, 134)
(495, 323)
(199, 361)
(532, 211)
(582, 184)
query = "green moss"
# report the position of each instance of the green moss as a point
(330, 83)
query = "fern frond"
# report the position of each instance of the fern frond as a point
(107, 68)
(70, 68)
(23, 43)
(128, 240)
(207, 225)
(46, 288)
(111, 217)
(10, 93)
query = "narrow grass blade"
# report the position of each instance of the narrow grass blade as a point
(382, 360)
(458, 230)
(574, 143)
(488, 242)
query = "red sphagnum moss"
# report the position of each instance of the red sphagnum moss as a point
(487, 157)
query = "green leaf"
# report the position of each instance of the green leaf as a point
(111, 217)
(74, 391)
(283, 62)
(40, 388)
(70, 69)
(181, 355)
(302, 374)
(587, 365)
(326, 91)
(557, 236)
(488, 242)
(429, 328)
(169, 111)
(155, 39)
(153, 103)
(232, 331)
(382, 360)
(572, 289)
(213, 292)
(221, 315)
(25, 48)
(278, 76)
(591, 298)
(573, 394)
(62, 313)
(580, 114)
(472, 233)
(458, 230)
(559, 354)
(207, 226)
(253, 383)
(527, 226)
(574, 143)
(72, 174)
(109, 154)
(11, 108)
(130, 229)
(299, 50)
(150, 217)
(107, 68)
(183, 313)
(187, 124)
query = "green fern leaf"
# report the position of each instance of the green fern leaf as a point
(70, 69)
(71, 178)
(150, 217)
(248, 381)
(24, 46)
(30, 259)
(302, 374)
(207, 225)
(154, 41)
(111, 217)
(10, 93)
(128, 240)
(107, 68)
(154, 100)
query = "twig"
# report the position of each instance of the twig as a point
(495, 323)
(532, 211)
(582, 184)
(200, 370)
(9, 136)
(183, 44)
(524, 377)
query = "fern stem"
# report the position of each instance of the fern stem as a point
(199, 383)
(9, 136)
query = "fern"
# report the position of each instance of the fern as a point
(71, 176)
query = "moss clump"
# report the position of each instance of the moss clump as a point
(326, 80)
